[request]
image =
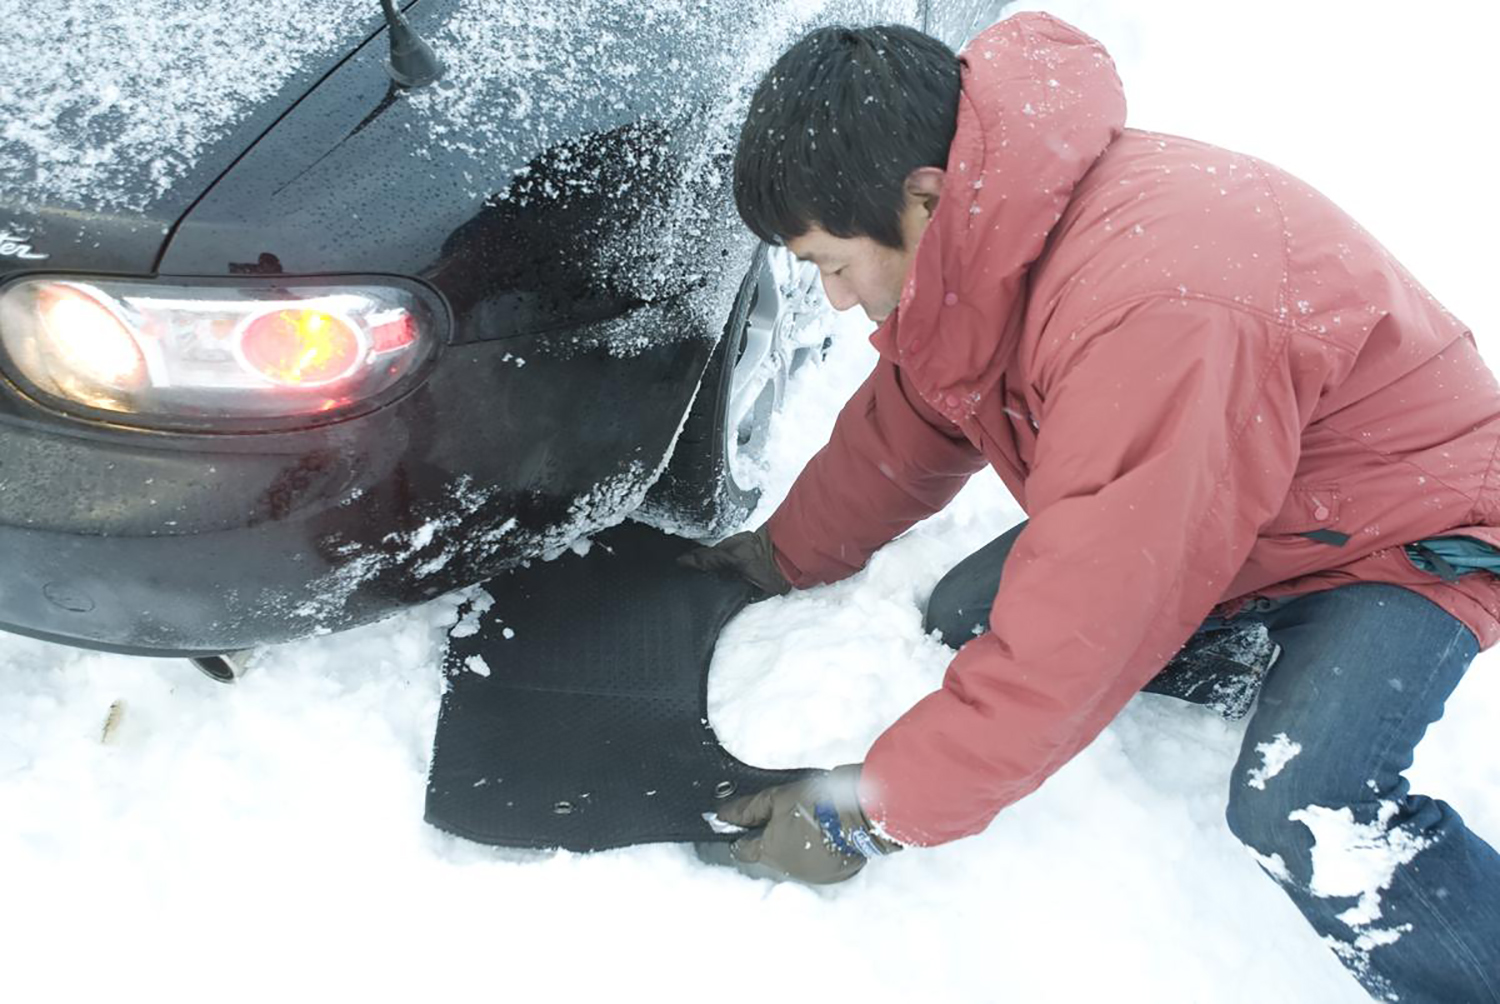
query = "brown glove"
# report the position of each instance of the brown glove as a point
(747, 555)
(811, 830)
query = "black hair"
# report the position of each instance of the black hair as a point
(836, 126)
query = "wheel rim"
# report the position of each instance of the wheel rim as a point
(781, 323)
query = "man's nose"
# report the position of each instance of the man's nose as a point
(840, 295)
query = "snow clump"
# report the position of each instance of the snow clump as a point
(1274, 755)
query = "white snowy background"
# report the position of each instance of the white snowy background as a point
(266, 840)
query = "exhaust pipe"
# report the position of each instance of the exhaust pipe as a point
(226, 668)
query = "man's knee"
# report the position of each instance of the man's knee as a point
(1262, 822)
(951, 611)
(1269, 811)
(1253, 821)
(959, 607)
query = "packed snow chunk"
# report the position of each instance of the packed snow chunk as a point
(480, 603)
(424, 535)
(1353, 859)
(1274, 756)
(476, 664)
(720, 826)
(1376, 937)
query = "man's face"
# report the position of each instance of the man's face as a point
(858, 271)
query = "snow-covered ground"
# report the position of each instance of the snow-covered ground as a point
(267, 840)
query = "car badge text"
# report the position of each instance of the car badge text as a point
(12, 246)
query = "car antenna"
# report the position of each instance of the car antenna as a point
(412, 62)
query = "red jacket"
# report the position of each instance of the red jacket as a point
(1179, 359)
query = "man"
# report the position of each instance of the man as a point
(1223, 406)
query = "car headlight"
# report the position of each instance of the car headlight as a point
(214, 353)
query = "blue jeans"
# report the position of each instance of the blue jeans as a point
(1405, 895)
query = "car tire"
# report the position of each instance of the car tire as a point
(771, 332)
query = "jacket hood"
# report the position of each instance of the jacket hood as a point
(1040, 101)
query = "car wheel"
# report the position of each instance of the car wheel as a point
(777, 325)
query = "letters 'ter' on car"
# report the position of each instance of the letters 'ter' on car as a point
(287, 345)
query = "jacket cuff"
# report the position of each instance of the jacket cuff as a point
(870, 808)
(785, 565)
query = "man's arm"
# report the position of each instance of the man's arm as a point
(1170, 435)
(887, 465)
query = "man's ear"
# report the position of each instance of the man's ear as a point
(925, 184)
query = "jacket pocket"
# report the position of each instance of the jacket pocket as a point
(1307, 507)
(1451, 555)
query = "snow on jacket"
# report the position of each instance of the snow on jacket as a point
(1181, 361)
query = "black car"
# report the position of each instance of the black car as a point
(291, 339)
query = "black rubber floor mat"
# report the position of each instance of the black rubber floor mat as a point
(576, 716)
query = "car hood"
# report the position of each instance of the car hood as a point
(572, 162)
(116, 116)
(554, 119)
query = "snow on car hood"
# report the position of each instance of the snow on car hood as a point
(552, 63)
(543, 60)
(109, 105)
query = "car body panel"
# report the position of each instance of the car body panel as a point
(167, 545)
(573, 216)
(112, 128)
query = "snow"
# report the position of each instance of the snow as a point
(1358, 860)
(266, 840)
(1353, 859)
(558, 63)
(719, 826)
(1274, 755)
(1273, 863)
(107, 104)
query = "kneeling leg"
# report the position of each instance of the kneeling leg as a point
(1396, 884)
